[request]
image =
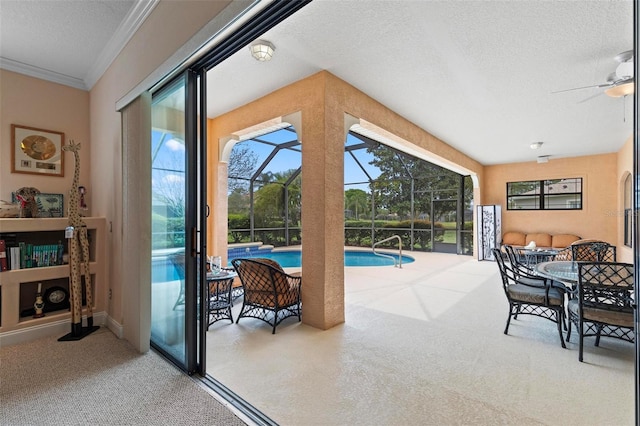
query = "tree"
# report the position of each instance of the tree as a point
(168, 192)
(358, 201)
(393, 188)
(167, 178)
(238, 201)
(242, 165)
(269, 200)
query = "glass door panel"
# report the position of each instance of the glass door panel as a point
(170, 257)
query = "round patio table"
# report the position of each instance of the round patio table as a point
(563, 271)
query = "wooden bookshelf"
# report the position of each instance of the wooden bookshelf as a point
(18, 287)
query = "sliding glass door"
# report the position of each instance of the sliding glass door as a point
(179, 192)
(176, 183)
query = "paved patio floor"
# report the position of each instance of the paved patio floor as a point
(423, 345)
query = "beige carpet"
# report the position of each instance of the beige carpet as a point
(99, 380)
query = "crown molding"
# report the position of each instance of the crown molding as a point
(127, 28)
(41, 73)
(130, 24)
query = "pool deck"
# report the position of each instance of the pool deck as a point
(422, 345)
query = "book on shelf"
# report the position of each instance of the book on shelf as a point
(3, 256)
(28, 256)
(14, 257)
(25, 255)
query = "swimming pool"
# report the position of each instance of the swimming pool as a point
(293, 258)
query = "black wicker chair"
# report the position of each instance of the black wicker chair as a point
(603, 304)
(530, 296)
(517, 262)
(270, 294)
(566, 254)
(593, 251)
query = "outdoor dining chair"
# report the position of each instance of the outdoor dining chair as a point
(517, 262)
(593, 251)
(270, 294)
(530, 295)
(565, 254)
(604, 304)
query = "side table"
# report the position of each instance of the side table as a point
(220, 296)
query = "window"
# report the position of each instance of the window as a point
(552, 194)
(628, 212)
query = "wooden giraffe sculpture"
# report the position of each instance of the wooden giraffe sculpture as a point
(78, 257)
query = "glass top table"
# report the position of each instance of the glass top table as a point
(221, 275)
(564, 271)
(535, 256)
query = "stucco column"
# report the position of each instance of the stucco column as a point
(217, 201)
(322, 217)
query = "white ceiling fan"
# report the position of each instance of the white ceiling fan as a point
(618, 83)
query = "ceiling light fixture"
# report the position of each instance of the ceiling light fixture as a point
(623, 77)
(620, 90)
(536, 145)
(543, 159)
(262, 50)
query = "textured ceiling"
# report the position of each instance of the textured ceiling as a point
(478, 75)
(64, 40)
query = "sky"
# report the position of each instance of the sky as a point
(173, 151)
(288, 159)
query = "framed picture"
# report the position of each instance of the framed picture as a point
(36, 151)
(49, 205)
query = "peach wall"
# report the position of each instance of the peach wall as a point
(37, 103)
(170, 25)
(625, 167)
(600, 193)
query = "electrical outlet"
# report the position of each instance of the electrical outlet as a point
(110, 294)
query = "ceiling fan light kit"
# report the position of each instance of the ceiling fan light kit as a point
(618, 83)
(623, 84)
(620, 90)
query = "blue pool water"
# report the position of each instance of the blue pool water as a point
(293, 258)
(163, 270)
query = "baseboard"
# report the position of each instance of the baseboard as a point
(115, 327)
(61, 328)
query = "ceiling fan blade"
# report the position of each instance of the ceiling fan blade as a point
(591, 97)
(626, 56)
(622, 76)
(584, 87)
